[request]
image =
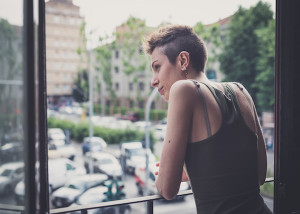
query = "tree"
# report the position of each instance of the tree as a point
(264, 81)
(80, 90)
(129, 39)
(103, 64)
(240, 54)
(211, 35)
(10, 69)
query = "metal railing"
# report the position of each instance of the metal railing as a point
(84, 208)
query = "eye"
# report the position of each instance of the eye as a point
(156, 67)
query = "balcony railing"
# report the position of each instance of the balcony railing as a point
(84, 208)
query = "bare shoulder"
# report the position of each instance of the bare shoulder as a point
(184, 88)
(240, 90)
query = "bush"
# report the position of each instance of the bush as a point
(267, 189)
(111, 136)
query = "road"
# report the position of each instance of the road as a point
(186, 206)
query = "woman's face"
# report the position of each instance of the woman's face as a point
(164, 73)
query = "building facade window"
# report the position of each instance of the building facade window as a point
(131, 103)
(211, 74)
(141, 86)
(141, 103)
(153, 105)
(130, 86)
(117, 86)
(116, 69)
(117, 54)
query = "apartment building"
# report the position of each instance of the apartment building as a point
(133, 90)
(63, 22)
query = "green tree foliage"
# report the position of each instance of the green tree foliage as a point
(80, 90)
(264, 81)
(103, 63)
(10, 69)
(240, 55)
(211, 35)
(129, 39)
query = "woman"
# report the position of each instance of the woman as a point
(213, 137)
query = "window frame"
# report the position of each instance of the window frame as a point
(287, 145)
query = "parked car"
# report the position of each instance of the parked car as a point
(98, 195)
(10, 174)
(60, 171)
(140, 177)
(132, 154)
(141, 125)
(11, 151)
(59, 149)
(103, 163)
(95, 143)
(159, 131)
(75, 187)
(133, 117)
(56, 134)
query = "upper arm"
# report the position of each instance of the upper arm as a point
(251, 118)
(180, 111)
(262, 157)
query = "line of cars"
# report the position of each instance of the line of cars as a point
(64, 174)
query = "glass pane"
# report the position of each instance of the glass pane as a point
(11, 104)
(98, 83)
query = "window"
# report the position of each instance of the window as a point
(131, 103)
(116, 69)
(290, 121)
(211, 74)
(117, 86)
(141, 86)
(153, 105)
(116, 54)
(141, 103)
(130, 86)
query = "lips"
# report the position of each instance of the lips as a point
(160, 90)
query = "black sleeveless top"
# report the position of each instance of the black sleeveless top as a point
(223, 169)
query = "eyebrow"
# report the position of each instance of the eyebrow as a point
(154, 62)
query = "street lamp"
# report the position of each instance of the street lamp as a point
(147, 137)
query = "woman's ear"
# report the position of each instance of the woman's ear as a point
(184, 60)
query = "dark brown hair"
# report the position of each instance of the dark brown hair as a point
(176, 38)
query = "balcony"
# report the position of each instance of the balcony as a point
(83, 209)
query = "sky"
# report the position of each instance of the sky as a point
(102, 16)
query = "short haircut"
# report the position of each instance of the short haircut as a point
(176, 38)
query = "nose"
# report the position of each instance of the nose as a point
(154, 82)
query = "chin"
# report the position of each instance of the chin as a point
(165, 98)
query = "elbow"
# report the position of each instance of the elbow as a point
(261, 181)
(262, 178)
(168, 193)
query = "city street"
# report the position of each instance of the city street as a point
(186, 206)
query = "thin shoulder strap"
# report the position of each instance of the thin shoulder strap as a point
(204, 108)
(242, 89)
(248, 99)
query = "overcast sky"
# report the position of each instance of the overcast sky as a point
(105, 15)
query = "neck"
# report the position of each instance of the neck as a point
(199, 77)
